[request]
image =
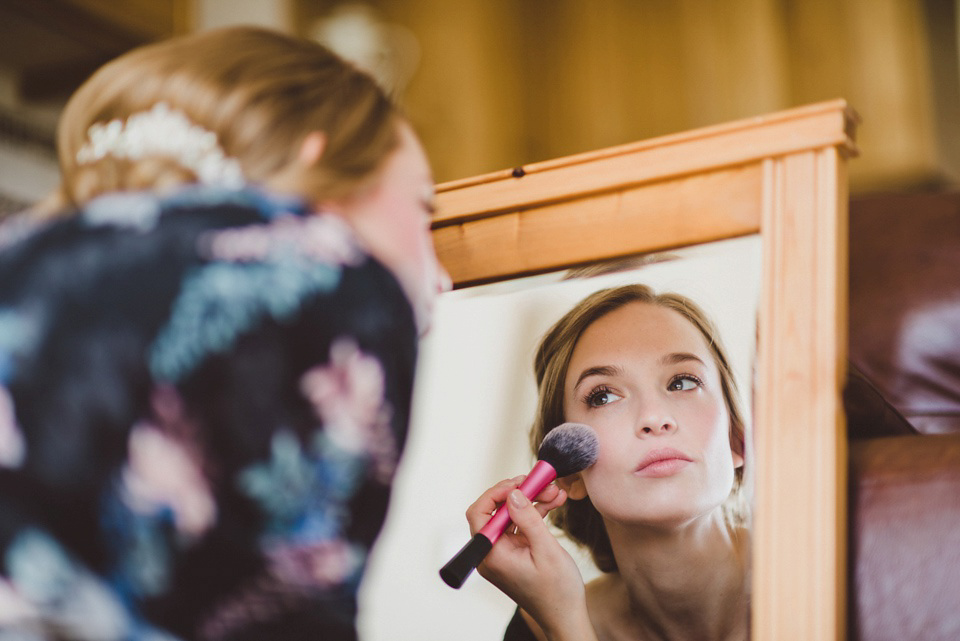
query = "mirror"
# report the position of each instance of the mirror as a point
(474, 403)
(781, 176)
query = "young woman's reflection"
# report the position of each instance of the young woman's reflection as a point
(661, 511)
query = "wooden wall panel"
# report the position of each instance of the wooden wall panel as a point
(505, 83)
(466, 97)
(873, 53)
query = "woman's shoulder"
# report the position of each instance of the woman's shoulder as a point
(601, 589)
(601, 596)
(606, 601)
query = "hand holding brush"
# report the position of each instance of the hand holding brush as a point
(567, 449)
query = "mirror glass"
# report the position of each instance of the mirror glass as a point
(474, 403)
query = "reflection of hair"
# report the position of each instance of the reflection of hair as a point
(260, 92)
(580, 519)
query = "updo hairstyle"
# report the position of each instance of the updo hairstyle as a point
(260, 92)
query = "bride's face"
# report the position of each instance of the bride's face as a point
(644, 378)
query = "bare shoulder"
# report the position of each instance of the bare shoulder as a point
(604, 598)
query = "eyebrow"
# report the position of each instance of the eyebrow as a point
(680, 357)
(601, 370)
(674, 358)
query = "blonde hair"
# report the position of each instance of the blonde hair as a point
(580, 519)
(260, 92)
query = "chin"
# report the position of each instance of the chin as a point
(423, 316)
(668, 515)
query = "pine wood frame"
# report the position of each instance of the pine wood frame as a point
(782, 175)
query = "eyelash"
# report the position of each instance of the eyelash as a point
(591, 398)
(594, 394)
(681, 377)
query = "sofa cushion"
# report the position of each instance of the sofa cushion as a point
(868, 413)
(905, 303)
(905, 538)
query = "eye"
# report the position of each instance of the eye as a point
(684, 383)
(601, 396)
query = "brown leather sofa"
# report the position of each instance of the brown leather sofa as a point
(903, 415)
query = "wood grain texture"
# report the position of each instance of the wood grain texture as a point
(800, 520)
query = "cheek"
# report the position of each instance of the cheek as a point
(612, 460)
(714, 420)
(422, 261)
(713, 426)
(721, 451)
(410, 244)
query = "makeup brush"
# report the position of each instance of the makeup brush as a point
(566, 449)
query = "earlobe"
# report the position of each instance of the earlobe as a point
(573, 486)
(737, 460)
(311, 151)
(737, 447)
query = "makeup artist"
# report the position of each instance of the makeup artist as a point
(207, 350)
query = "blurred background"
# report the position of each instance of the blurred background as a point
(492, 84)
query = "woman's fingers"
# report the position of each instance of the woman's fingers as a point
(480, 511)
(527, 563)
(528, 519)
(483, 508)
(546, 503)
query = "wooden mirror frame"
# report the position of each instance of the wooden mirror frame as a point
(783, 176)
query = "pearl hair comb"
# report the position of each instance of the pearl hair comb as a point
(163, 131)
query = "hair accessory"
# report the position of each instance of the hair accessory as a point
(166, 132)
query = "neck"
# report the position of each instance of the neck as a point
(683, 582)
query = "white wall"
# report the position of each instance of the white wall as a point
(474, 402)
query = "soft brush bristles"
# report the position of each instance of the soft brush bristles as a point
(569, 448)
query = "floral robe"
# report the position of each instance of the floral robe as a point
(203, 399)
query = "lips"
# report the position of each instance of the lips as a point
(662, 462)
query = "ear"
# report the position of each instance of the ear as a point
(573, 485)
(311, 150)
(737, 448)
(737, 460)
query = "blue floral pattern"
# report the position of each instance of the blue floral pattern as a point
(67, 597)
(18, 333)
(208, 532)
(219, 302)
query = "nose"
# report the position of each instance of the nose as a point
(444, 282)
(654, 421)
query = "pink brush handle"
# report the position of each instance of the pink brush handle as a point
(539, 477)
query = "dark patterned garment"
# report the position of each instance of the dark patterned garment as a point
(203, 399)
(518, 630)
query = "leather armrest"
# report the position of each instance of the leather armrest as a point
(905, 538)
